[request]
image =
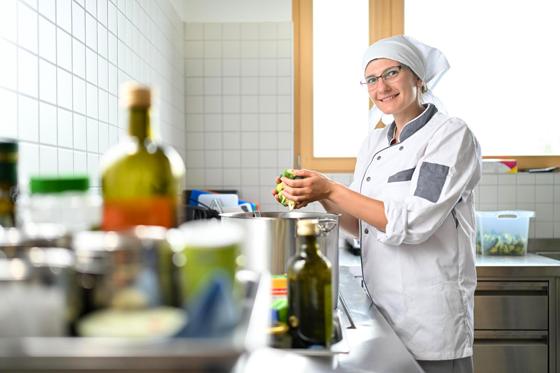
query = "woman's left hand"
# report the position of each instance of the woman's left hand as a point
(312, 186)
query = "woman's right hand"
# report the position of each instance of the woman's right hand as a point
(311, 186)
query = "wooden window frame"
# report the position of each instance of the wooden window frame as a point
(386, 19)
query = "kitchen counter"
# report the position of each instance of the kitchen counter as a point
(530, 265)
(372, 344)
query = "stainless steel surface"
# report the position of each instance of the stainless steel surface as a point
(124, 270)
(271, 239)
(35, 284)
(530, 265)
(511, 305)
(374, 346)
(178, 354)
(516, 314)
(499, 356)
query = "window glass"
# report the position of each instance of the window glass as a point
(340, 104)
(503, 79)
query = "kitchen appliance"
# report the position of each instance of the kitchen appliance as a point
(270, 239)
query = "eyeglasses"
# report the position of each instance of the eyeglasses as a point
(388, 75)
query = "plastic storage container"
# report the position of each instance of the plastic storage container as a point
(60, 200)
(503, 232)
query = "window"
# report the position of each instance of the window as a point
(498, 111)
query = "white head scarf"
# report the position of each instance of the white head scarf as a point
(427, 62)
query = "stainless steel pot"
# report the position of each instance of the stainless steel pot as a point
(36, 285)
(270, 239)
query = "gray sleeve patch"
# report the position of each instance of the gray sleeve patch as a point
(404, 175)
(430, 181)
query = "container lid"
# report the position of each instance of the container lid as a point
(58, 184)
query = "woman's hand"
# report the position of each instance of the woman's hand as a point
(312, 186)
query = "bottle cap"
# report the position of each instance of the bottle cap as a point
(135, 95)
(308, 227)
(8, 146)
(58, 184)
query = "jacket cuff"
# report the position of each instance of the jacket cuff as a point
(395, 231)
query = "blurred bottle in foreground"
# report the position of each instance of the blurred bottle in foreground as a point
(310, 307)
(8, 181)
(140, 179)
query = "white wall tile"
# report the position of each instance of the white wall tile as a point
(65, 162)
(91, 100)
(91, 7)
(80, 163)
(112, 54)
(80, 132)
(28, 162)
(8, 72)
(544, 193)
(63, 49)
(64, 14)
(8, 20)
(64, 89)
(93, 169)
(47, 81)
(91, 66)
(103, 105)
(48, 160)
(28, 119)
(27, 27)
(47, 40)
(8, 108)
(47, 124)
(103, 137)
(79, 95)
(230, 31)
(28, 73)
(102, 41)
(91, 32)
(112, 17)
(78, 22)
(92, 128)
(65, 128)
(78, 58)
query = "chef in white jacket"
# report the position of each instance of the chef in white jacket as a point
(411, 203)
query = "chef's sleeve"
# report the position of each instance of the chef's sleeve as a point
(449, 169)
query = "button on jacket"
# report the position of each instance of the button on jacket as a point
(420, 272)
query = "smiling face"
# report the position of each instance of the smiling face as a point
(399, 96)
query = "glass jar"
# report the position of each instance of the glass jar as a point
(60, 200)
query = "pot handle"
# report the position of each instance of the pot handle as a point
(326, 225)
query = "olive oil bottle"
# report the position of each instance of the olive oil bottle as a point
(310, 304)
(140, 179)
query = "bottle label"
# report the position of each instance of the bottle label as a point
(121, 215)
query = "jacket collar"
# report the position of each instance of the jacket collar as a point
(414, 125)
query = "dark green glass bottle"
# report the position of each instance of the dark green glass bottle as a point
(8, 182)
(310, 306)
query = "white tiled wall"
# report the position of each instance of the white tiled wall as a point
(238, 103)
(524, 191)
(238, 94)
(62, 62)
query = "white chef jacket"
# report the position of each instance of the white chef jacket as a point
(421, 271)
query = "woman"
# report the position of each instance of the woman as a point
(412, 205)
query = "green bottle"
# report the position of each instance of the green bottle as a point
(140, 179)
(310, 305)
(8, 182)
